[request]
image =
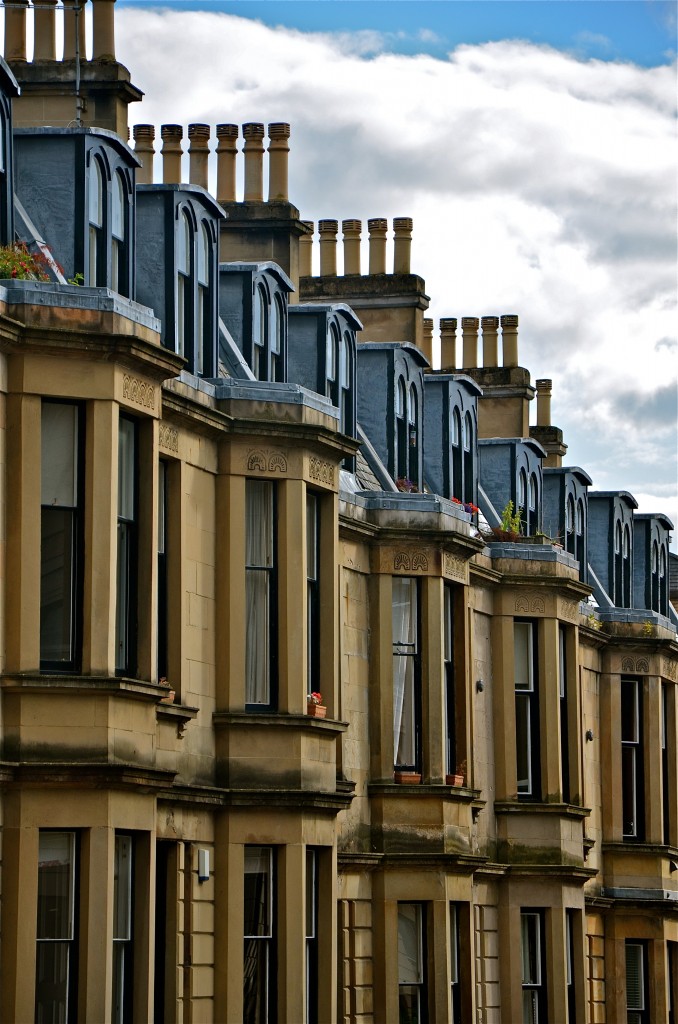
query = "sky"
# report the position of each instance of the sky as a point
(534, 145)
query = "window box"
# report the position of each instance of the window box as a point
(407, 778)
(316, 710)
(454, 780)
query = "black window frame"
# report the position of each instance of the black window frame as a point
(266, 943)
(122, 967)
(422, 985)
(272, 601)
(314, 515)
(72, 942)
(632, 757)
(563, 688)
(530, 695)
(539, 1010)
(162, 627)
(129, 586)
(639, 1014)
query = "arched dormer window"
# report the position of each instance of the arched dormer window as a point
(260, 333)
(663, 599)
(204, 325)
(521, 502)
(626, 568)
(457, 458)
(469, 449)
(401, 461)
(277, 337)
(184, 296)
(618, 567)
(569, 525)
(533, 501)
(96, 266)
(580, 549)
(331, 363)
(344, 383)
(118, 234)
(413, 436)
(655, 577)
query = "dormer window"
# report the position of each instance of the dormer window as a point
(569, 525)
(184, 247)
(626, 567)
(655, 577)
(532, 514)
(662, 605)
(457, 475)
(401, 429)
(331, 359)
(277, 335)
(259, 332)
(413, 436)
(618, 568)
(345, 384)
(204, 318)
(468, 494)
(580, 550)
(96, 273)
(118, 204)
(522, 499)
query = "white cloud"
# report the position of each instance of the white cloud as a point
(540, 184)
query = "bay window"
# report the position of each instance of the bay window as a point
(259, 968)
(123, 977)
(411, 964)
(56, 933)
(527, 710)
(126, 606)
(406, 669)
(533, 966)
(312, 593)
(61, 536)
(260, 595)
(633, 805)
(636, 983)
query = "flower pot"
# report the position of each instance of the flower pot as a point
(316, 710)
(407, 778)
(454, 780)
(169, 698)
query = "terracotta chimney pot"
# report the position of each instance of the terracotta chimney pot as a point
(327, 229)
(351, 230)
(490, 325)
(377, 228)
(171, 135)
(469, 330)
(448, 343)
(254, 161)
(278, 153)
(306, 250)
(144, 136)
(402, 244)
(198, 149)
(509, 339)
(227, 149)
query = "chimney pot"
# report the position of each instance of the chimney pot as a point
(103, 30)
(327, 229)
(171, 135)
(490, 325)
(402, 244)
(352, 230)
(69, 32)
(278, 152)
(199, 153)
(253, 132)
(469, 328)
(448, 343)
(544, 387)
(509, 339)
(227, 149)
(306, 250)
(44, 29)
(144, 136)
(377, 227)
(427, 340)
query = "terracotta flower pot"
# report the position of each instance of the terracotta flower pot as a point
(454, 780)
(407, 778)
(316, 710)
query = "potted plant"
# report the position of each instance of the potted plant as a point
(407, 778)
(459, 775)
(170, 695)
(510, 524)
(18, 264)
(314, 705)
(403, 484)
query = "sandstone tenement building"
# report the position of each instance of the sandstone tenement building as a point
(294, 728)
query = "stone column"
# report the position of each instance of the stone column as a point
(101, 544)
(377, 228)
(227, 149)
(327, 933)
(427, 340)
(20, 890)
(556, 954)
(509, 339)
(254, 161)
(229, 917)
(103, 30)
(469, 330)
(544, 402)
(402, 244)
(74, 24)
(198, 150)
(448, 343)
(278, 158)
(172, 135)
(490, 325)
(96, 915)
(15, 30)
(672, 753)
(351, 229)
(175, 528)
(144, 136)
(306, 250)
(510, 960)
(440, 1002)
(44, 47)
(292, 947)
(327, 229)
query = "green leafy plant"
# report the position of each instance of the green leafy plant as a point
(17, 263)
(78, 279)
(510, 520)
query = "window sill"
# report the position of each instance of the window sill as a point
(278, 720)
(573, 811)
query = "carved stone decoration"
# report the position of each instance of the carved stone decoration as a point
(628, 665)
(138, 391)
(530, 603)
(419, 562)
(321, 471)
(410, 561)
(263, 460)
(401, 562)
(455, 567)
(168, 438)
(522, 604)
(537, 605)
(642, 665)
(568, 610)
(669, 669)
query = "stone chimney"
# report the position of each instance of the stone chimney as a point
(490, 325)
(278, 153)
(402, 245)
(144, 136)
(171, 135)
(448, 343)
(199, 137)
(427, 340)
(327, 229)
(549, 437)
(377, 227)
(469, 330)
(306, 250)
(254, 162)
(544, 402)
(351, 230)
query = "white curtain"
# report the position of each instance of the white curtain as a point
(259, 562)
(404, 621)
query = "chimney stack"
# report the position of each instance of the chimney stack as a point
(144, 136)
(544, 402)
(509, 339)
(448, 343)
(199, 137)
(254, 161)
(172, 135)
(402, 244)
(44, 46)
(278, 153)
(427, 340)
(351, 229)
(306, 250)
(327, 229)
(227, 149)
(15, 30)
(469, 330)
(103, 29)
(490, 325)
(377, 228)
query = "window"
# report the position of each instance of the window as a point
(56, 934)
(626, 568)
(522, 499)
(401, 460)
(580, 550)
(123, 977)
(126, 607)
(633, 816)
(313, 592)
(570, 918)
(618, 568)
(533, 973)
(184, 297)
(346, 392)
(527, 710)
(636, 983)
(455, 978)
(163, 606)
(666, 802)
(331, 360)
(662, 602)
(469, 452)
(203, 336)
(61, 536)
(260, 595)
(569, 525)
(413, 436)
(411, 961)
(532, 519)
(311, 936)
(564, 738)
(277, 334)
(457, 474)
(259, 929)
(96, 270)
(118, 233)
(406, 696)
(448, 665)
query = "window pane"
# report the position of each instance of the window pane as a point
(95, 194)
(55, 885)
(311, 536)
(447, 624)
(404, 717)
(122, 888)
(635, 995)
(409, 944)
(203, 256)
(257, 654)
(311, 861)
(57, 585)
(454, 945)
(51, 982)
(522, 640)
(259, 526)
(123, 598)
(404, 611)
(629, 710)
(59, 446)
(257, 891)
(184, 245)
(126, 459)
(118, 207)
(530, 949)
(523, 745)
